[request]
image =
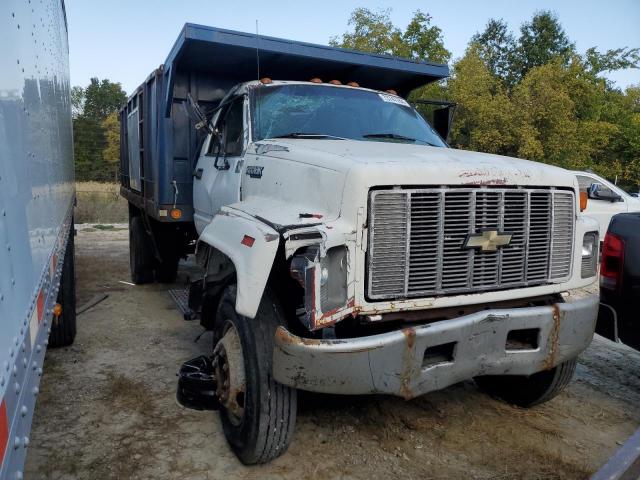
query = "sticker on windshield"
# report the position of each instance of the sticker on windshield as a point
(393, 99)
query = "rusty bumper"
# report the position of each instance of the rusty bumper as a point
(417, 360)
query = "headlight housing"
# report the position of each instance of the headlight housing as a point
(590, 249)
(324, 279)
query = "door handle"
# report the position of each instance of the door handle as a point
(198, 173)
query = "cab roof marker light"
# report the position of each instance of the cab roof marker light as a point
(316, 80)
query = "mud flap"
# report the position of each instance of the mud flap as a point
(197, 385)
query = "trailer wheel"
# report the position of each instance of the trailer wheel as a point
(529, 391)
(63, 326)
(140, 251)
(258, 414)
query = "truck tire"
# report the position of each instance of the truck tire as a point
(265, 428)
(140, 252)
(529, 391)
(63, 327)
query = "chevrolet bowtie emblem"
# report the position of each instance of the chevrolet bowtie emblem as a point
(487, 241)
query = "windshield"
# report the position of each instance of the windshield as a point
(323, 111)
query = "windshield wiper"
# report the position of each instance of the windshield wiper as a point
(307, 135)
(395, 136)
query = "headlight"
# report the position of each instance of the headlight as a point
(589, 254)
(324, 280)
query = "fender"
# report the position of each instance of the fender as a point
(251, 245)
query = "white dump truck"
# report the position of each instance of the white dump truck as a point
(344, 248)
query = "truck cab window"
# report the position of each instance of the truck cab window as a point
(231, 130)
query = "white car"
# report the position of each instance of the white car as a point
(605, 199)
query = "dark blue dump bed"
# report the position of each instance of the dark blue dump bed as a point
(159, 142)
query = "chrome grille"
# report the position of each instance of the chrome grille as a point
(417, 237)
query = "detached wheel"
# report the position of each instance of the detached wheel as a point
(529, 391)
(140, 252)
(63, 326)
(258, 414)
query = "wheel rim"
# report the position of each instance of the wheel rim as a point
(230, 374)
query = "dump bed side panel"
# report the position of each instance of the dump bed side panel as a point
(158, 152)
(36, 201)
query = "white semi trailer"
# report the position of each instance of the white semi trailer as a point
(37, 192)
(344, 247)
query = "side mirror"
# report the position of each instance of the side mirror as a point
(598, 192)
(443, 113)
(442, 119)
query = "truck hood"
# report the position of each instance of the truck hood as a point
(407, 164)
(303, 180)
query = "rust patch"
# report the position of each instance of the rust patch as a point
(410, 334)
(334, 315)
(408, 359)
(550, 361)
(283, 337)
(492, 181)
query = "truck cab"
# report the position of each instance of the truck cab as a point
(343, 247)
(270, 110)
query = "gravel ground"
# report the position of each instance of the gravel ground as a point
(107, 406)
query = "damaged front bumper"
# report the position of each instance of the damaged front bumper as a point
(420, 359)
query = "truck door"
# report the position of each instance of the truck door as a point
(218, 173)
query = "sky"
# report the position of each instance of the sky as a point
(125, 40)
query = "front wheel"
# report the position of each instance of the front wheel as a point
(532, 390)
(258, 414)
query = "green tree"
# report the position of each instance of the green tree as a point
(485, 116)
(111, 152)
(102, 97)
(614, 59)
(622, 158)
(77, 101)
(95, 129)
(375, 32)
(542, 40)
(496, 46)
(423, 40)
(372, 32)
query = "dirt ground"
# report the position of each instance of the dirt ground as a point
(107, 406)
